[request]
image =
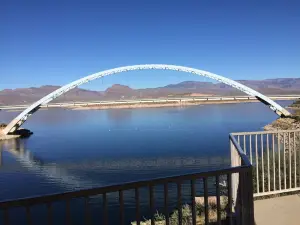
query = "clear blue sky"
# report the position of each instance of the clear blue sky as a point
(55, 42)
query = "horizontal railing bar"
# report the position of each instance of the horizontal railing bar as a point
(276, 192)
(240, 150)
(114, 188)
(265, 132)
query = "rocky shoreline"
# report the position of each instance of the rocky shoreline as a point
(283, 124)
(289, 123)
(291, 140)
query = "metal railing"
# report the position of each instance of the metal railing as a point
(226, 196)
(242, 184)
(275, 156)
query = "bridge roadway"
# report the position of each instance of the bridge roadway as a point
(157, 100)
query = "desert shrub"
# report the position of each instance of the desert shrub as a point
(186, 216)
(159, 216)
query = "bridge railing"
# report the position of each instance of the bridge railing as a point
(275, 156)
(217, 196)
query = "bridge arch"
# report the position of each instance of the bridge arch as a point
(22, 117)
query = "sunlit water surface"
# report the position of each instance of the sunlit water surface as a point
(73, 149)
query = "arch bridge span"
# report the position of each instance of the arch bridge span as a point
(21, 118)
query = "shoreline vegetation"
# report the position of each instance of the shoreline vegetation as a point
(160, 218)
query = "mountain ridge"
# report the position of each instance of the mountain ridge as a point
(118, 91)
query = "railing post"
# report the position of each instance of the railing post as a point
(234, 162)
(245, 205)
(241, 186)
(248, 212)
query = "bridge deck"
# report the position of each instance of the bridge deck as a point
(278, 211)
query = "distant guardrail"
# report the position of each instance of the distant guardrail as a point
(158, 100)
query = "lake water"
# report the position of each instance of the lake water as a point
(74, 149)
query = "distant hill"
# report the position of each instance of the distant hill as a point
(187, 88)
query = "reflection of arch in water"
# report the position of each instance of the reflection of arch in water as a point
(60, 175)
(51, 171)
(20, 119)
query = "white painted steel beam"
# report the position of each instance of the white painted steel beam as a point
(21, 118)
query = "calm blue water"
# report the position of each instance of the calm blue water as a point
(73, 150)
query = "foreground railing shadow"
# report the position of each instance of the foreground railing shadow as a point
(222, 196)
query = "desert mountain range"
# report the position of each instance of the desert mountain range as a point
(280, 86)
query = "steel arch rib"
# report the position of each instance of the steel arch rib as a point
(20, 119)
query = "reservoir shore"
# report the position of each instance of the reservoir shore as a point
(155, 104)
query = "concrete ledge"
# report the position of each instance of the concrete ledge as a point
(278, 211)
(19, 133)
(7, 137)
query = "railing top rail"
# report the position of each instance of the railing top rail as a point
(240, 151)
(29, 201)
(265, 132)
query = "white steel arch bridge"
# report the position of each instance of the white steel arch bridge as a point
(22, 117)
